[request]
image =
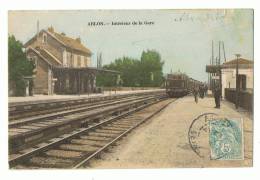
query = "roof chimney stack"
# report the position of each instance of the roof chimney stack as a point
(38, 28)
(78, 40)
(51, 29)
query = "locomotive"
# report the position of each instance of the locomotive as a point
(179, 84)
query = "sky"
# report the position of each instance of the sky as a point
(182, 37)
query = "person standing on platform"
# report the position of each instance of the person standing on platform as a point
(217, 95)
(201, 91)
(195, 94)
(206, 90)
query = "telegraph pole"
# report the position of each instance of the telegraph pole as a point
(212, 63)
(219, 70)
(237, 81)
(224, 51)
(219, 55)
(209, 74)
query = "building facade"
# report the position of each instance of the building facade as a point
(245, 75)
(59, 62)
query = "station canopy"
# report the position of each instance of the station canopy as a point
(85, 69)
(212, 68)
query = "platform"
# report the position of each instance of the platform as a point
(39, 98)
(162, 142)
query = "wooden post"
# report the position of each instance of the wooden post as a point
(79, 83)
(237, 81)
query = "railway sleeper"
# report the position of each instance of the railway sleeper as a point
(86, 149)
(64, 153)
(95, 138)
(120, 126)
(113, 128)
(89, 142)
(108, 131)
(100, 134)
(50, 162)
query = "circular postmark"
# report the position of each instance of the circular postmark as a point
(198, 134)
(214, 137)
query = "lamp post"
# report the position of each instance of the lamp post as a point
(237, 81)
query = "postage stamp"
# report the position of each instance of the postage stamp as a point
(226, 139)
(217, 138)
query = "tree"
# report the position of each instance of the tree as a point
(135, 73)
(18, 66)
(151, 68)
(129, 73)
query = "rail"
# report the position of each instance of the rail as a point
(66, 138)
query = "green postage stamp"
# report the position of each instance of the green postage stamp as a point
(226, 139)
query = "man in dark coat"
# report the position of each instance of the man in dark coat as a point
(217, 95)
(195, 92)
(201, 91)
(206, 90)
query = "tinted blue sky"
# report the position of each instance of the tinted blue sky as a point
(182, 37)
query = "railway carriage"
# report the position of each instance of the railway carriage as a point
(179, 84)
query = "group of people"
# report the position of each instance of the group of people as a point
(202, 90)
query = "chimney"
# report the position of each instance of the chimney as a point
(51, 29)
(78, 40)
(38, 27)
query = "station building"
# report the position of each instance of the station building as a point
(225, 76)
(245, 75)
(62, 64)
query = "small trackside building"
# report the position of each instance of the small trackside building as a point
(245, 75)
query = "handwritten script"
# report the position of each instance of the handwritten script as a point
(184, 17)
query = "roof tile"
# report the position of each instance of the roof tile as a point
(240, 61)
(71, 43)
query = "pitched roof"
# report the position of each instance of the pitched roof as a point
(39, 54)
(71, 43)
(240, 61)
(243, 64)
(46, 54)
(64, 40)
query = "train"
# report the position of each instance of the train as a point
(179, 84)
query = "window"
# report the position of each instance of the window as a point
(79, 63)
(44, 40)
(74, 60)
(34, 60)
(242, 81)
(68, 59)
(85, 61)
(65, 61)
(82, 64)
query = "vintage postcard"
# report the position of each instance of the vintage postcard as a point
(105, 89)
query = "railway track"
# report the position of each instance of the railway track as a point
(29, 109)
(72, 110)
(39, 133)
(30, 131)
(76, 148)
